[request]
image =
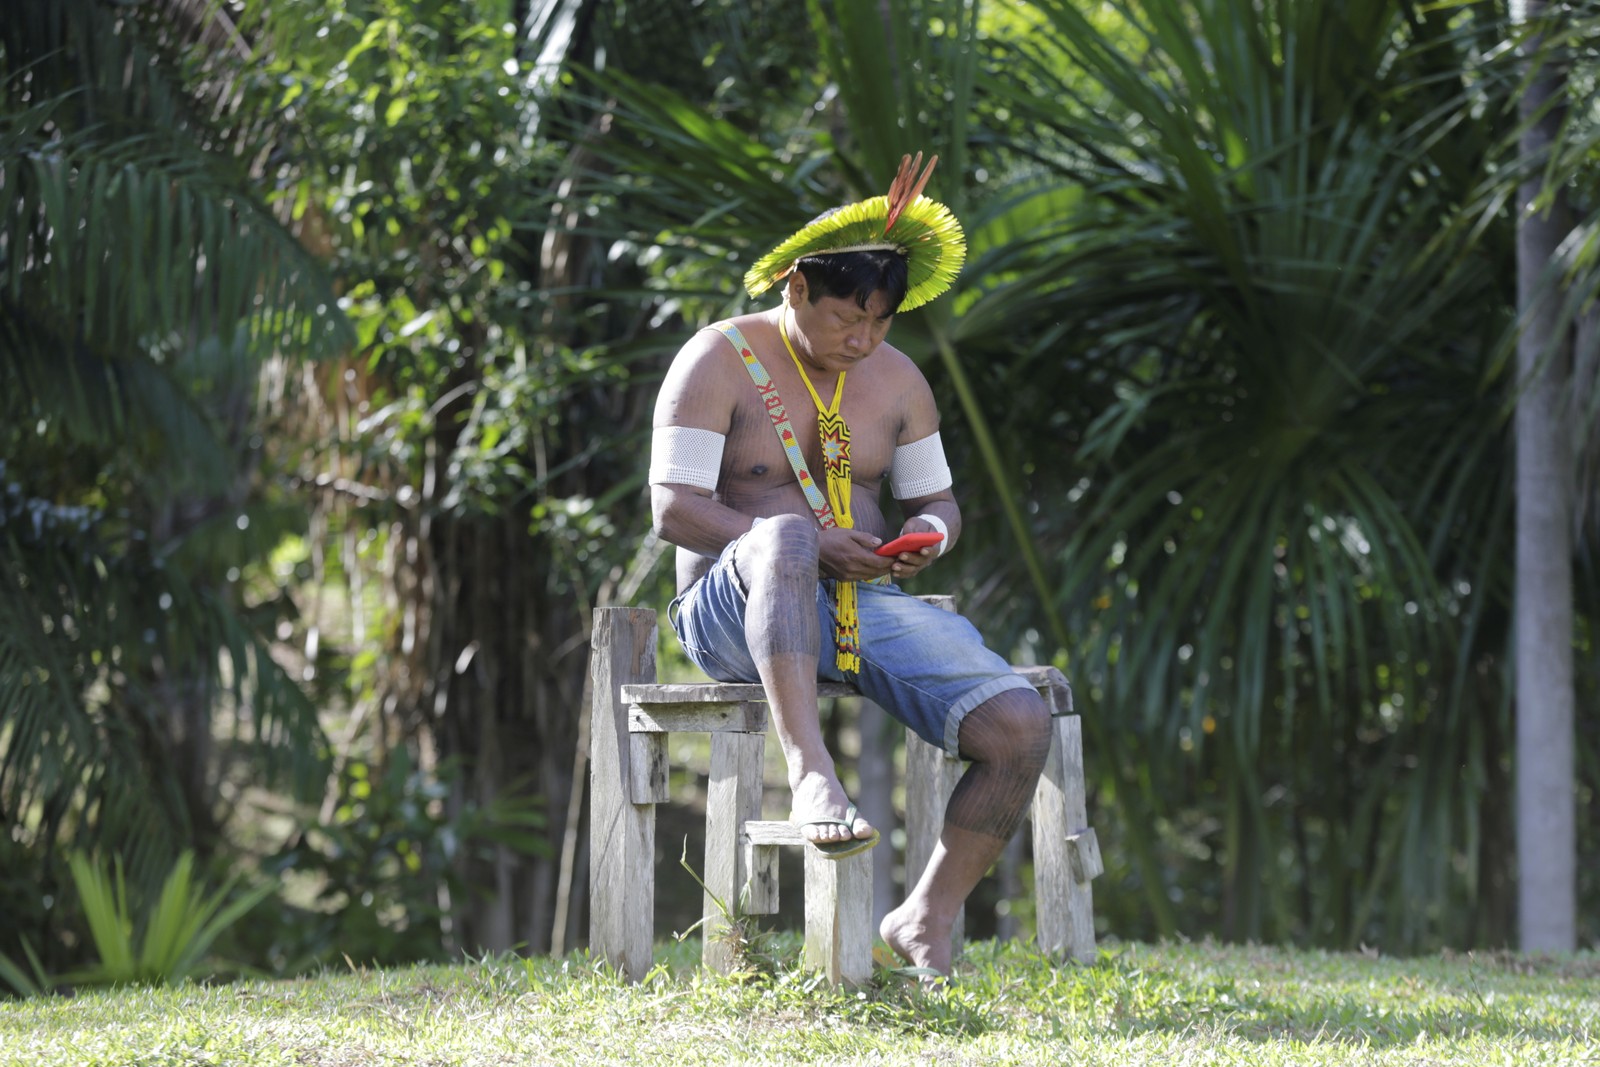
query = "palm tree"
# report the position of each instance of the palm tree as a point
(142, 283)
(1547, 504)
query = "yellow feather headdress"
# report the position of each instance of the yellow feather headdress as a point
(904, 221)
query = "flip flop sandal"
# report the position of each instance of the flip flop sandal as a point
(851, 846)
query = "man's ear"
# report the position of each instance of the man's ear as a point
(797, 289)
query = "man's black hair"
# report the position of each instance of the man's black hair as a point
(857, 274)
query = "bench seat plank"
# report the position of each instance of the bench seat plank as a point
(667, 693)
(701, 717)
(697, 697)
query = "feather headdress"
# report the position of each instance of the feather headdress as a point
(904, 221)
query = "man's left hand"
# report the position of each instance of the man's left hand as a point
(910, 564)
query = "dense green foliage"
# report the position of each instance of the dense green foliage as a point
(143, 284)
(328, 336)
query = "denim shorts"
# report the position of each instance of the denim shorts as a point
(926, 666)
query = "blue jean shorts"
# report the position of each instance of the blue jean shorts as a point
(926, 666)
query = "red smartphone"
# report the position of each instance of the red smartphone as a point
(908, 543)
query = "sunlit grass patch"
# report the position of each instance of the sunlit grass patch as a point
(1138, 1004)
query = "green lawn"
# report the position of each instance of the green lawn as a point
(1170, 1004)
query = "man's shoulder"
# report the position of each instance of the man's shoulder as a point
(898, 375)
(705, 345)
(711, 340)
(753, 329)
(895, 363)
(707, 381)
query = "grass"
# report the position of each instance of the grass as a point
(1167, 1004)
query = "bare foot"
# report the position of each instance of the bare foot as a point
(917, 939)
(820, 797)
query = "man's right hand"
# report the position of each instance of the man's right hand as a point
(848, 555)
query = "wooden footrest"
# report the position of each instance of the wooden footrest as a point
(838, 899)
(773, 833)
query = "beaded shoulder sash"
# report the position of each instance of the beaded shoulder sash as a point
(768, 390)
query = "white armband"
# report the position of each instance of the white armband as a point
(919, 469)
(684, 455)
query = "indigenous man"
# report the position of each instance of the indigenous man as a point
(773, 435)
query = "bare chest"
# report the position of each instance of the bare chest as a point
(769, 423)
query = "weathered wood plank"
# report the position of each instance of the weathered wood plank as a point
(838, 900)
(733, 798)
(693, 694)
(773, 833)
(839, 916)
(1081, 894)
(1051, 684)
(875, 795)
(1052, 871)
(1084, 851)
(655, 693)
(647, 768)
(1065, 902)
(622, 834)
(931, 777)
(740, 716)
(762, 863)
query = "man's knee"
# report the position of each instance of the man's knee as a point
(783, 547)
(1010, 728)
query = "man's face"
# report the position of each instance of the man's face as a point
(838, 333)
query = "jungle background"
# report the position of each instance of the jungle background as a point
(329, 334)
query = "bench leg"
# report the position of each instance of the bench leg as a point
(1066, 856)
(761, 861)
(839, 916)
(734, 798)
(930, 779)
(622, 834)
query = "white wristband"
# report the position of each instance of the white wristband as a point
(938, 524)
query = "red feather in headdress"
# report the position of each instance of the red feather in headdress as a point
(906, 187)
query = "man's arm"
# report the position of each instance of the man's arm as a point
(941, 506)
(686, 516)
(921, 482)
(694, 412)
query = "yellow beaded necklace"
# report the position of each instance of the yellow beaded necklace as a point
(835, 436)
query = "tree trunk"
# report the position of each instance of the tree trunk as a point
(1584, 411)
(510, 711)
(1545, 797)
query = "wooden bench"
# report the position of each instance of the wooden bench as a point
(632, 718)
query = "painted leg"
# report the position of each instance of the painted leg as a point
(777, 565)
(1007, 739)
